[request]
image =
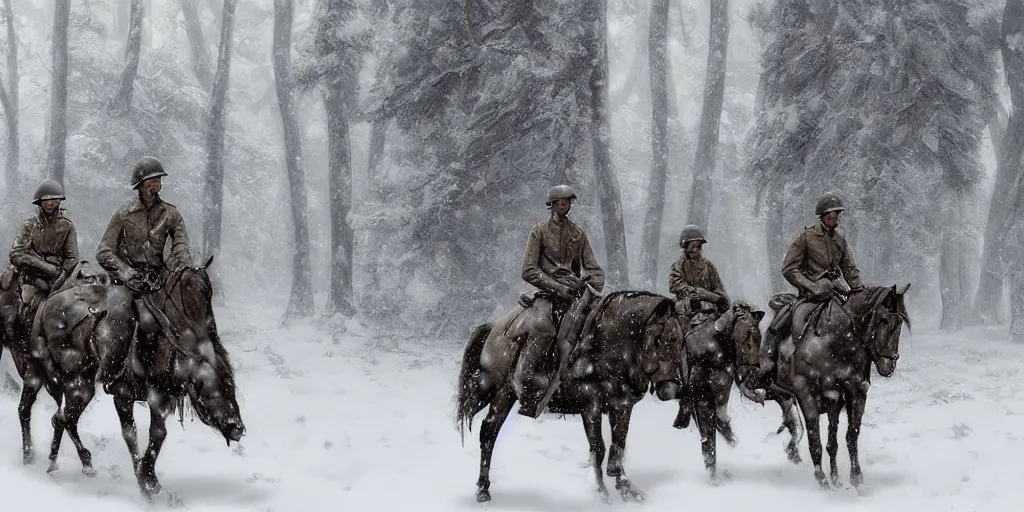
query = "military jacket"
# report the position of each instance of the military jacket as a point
(45, 245)
(137, 235)
(555, 243)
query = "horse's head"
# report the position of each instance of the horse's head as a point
(884, 314)
(741, 325)
(206, 368)
(664, 356)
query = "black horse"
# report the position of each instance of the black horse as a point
(712, 352)
(636, 345)
(89, 329)
(14, 335)
(834, 350)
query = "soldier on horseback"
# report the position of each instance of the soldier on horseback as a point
(694, 280)
(132, 247)
(44, 253)
(560, 262)
(817, 257)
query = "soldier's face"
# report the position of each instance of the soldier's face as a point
(561, 206)
(830, 219)
(151, 186)
(50, 205)
(694, 249)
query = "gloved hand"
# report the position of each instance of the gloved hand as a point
(822, 288)
(570, 281)
(127, 274)
(564, 292)
(50, 269)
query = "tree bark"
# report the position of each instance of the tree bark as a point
(600, 136)
(952, 268)
(710, 116)
(301, 301)
(340, 179)
(121, 103)
(58, 128)
(654, 214)
(198, 48)
(9, 102)
(1007, 194)
(214, 189)
(1017, 304)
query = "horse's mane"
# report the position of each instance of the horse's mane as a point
(872, 296)
(589, 326)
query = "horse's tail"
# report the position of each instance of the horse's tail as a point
(469, 401)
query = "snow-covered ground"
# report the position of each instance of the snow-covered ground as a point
(353, 422)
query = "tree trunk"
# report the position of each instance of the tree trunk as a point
(214, 189)
(651, 239)
(600, 135)
(949, 271)
(1007, 194)
(1017, 304)
(122, 100)
(710, 116)
(776, 241)
(59, 93)
(199, 50)
(378, 138)
(340, 178)
(122, 18)
(301, 302)
(9, 102)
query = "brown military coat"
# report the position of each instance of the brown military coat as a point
(556, 243)
(816, 249)
(45, 246)
(698, 273)
(136, 236)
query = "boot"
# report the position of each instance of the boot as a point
(529, 384)
(568, 335)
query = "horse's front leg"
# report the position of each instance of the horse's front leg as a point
(855, 405)
(160, 406)
(592, 426)
(496, 416)
(706, 423)
(791, 423)
(833, 443)
(79, 391)
(810, 408)
(126, 416)
(619, 418)
(32, 383)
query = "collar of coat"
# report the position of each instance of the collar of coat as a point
(136, 205)
(821, 230)
(43, 218)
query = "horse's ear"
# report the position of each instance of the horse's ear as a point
(208, 262)
(758, 315)
(903, 291)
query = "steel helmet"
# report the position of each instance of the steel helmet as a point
(829, 202)
(560, 192)
(690, 233)
(146, 168)
(46, 190)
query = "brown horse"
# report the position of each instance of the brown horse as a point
(832, 366)
(636, 347)
(14, 335)
(89, 330)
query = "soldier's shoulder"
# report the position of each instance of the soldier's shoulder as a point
(65, 218)
(128, 207)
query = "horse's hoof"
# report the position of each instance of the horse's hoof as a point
(89, 471)
(29, 457)
(605, 497)
(483, 496)
(631, 494)
(53, 467)
(150, 486)
(793, 455)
